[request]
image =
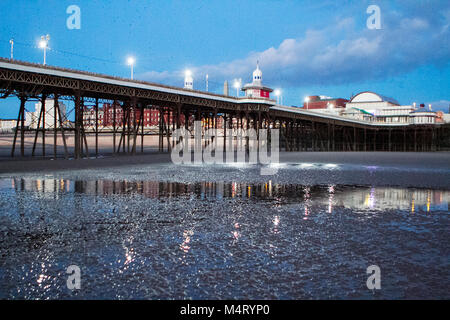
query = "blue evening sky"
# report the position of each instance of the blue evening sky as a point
(304, 47)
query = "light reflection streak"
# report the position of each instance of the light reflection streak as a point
(307, 201)
(330, 198)
(276, 222)
(375, 198)
(185, 245)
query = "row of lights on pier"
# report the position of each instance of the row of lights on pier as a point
(131, 61)
(43, 44)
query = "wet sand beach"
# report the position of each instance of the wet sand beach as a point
(140, 227)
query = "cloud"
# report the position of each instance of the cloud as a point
(341, 53)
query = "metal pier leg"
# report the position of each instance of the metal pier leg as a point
(38, 127)
(142, 128)
(55, 125)
(77, 125)
(20, 117)
(374, 140)
(114, 126)
(61, 123)
(365, 139)
(96, 127)
(43, 127)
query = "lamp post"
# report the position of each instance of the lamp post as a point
(43, 44)
(237, 85)
(277, 93)
(188, 80)
(12, 48)
(131, 61)
(307, 102)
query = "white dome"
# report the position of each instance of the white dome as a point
(369, 96)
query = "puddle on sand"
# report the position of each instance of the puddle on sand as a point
(156, 239)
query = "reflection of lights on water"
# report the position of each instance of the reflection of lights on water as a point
(236, 233)
(233, 189)
(428, 201)
(129, 256)
(249, 191)
(412, 205)
(184, 246)
(306, 165)
(331, 165)
(307, 198)
(372, 168)
(276, 221)
(41, 279)
(330, 198)
(307, 191)
(270, 187)
(370, 199)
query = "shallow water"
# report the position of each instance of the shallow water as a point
(178, 237)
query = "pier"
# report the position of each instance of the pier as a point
(300, 130)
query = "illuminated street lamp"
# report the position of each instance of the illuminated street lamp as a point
(12, 48)
(307, 102)
(277, 93)
(43, 44)
(188, 80)
(237, 85)
(131, 61)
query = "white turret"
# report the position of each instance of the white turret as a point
(256, 89)
(188, 80)
(257, 75)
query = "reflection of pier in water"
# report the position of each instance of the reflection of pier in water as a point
(377, 198)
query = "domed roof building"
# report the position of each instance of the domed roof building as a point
(372, 106)
(372, 99)
(256, 89)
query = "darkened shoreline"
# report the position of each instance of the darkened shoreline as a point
(429, 160)
(421, 170)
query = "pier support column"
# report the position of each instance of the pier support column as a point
(374, 140)
(96, 127)
(21, 120)
(38, 126)
(55, 125)
(365, 139)
(390, 139)
(77, 125)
